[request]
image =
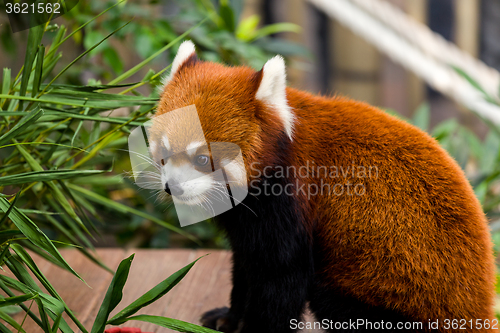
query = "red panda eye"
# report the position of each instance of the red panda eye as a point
(162, 161)
(202, 160)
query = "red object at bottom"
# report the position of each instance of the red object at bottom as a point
(124, 330)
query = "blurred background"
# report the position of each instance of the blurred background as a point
(323, 56)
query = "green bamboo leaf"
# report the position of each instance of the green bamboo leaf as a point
(28, 261)
(111, 120)
(152, 295)
(138, 67)
(23, 123)
(227, 15)
(89, 88)
(49, 65)
(113, 295)
(16, 299)
(35, 235)
(4, 328)
(4, 253)
(57, 323)
(46, 175)
(56, 46)
(277, 28)
(4, 287)
(52, 302)
(174, 324)
(92, 95)
(421, 118)
(75, 231)
(38, 71)
(34, 38)
(247, 27)
(56, 42)
(5, 84)
(83, 54)
(6, 215)
(469, 79)
(56, 192)
(55, 306)
(8, 234)
(445, 129)
(74, 102)
(35, 249)
(9, 320)
(43, 315)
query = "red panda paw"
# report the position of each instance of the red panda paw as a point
(220, 319)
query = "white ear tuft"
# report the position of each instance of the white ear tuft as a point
(272, 90)
(185, 51)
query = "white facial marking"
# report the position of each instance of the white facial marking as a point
(165, 142)
(193, 183)
(191, 148)
(272, 90)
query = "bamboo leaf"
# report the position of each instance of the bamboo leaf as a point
(5, 84)
(38, 71)
(83, 54)
(113, 295)
(152, 295)
(53, 303)
(6, 215)
(227, 15)
(174, 324)
(9, 320)
(56, 46)
(421, 118)
(469, 79)
(276, 28)
(23, 123)
(138, 67)
(34, 38)
(56, 192)
(4, 287)
(65, 100)
(35, 235)
(46, 175)
(16, 299)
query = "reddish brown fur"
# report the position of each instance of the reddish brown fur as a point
(417, 241)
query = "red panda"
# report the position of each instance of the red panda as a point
(405, 241)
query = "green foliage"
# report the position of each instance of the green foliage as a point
(62, 151)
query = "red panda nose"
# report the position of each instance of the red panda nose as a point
(174, 188)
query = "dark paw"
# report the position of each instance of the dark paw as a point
(220, 319)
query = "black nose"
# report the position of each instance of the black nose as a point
(174, 188)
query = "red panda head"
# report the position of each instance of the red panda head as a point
(234, 104)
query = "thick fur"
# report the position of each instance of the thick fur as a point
(414, 247)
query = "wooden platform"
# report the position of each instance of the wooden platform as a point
(206, 286)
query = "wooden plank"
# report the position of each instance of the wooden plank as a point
(416, 88)
(467, 15)
(356, 66)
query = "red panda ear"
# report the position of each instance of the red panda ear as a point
(272, 91)
(186, 52)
